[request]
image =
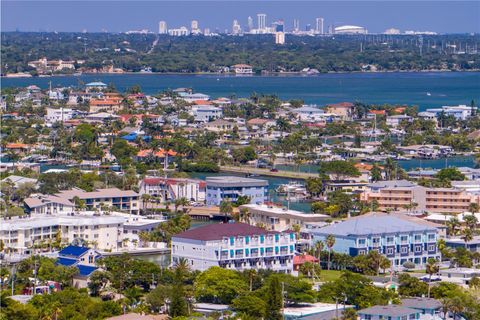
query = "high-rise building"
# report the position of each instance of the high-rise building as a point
(261, 21)
(236, 29)
(308, 27)
(249, 24)
(296, 25)
(280, 37)
(319, 26)
(279, 26)
(162, 27)
(194, 27)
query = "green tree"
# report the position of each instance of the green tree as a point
(339, 169)
(274, 300)
(431, 269)
(218, 285)
(330, 242)
(251, 305)
(450, 174)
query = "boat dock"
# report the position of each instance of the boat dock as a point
(267, 172)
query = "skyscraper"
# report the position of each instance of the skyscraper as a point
(319, 26)
(194, 26)
(249, 24)
(236, 29)
(261, 21)
(162, 27)
(296, 25)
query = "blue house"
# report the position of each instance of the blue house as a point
(81, 257)
(390, 312)
(399, 237)
(230, 188)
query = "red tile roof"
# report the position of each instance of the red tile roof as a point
(220, 230)
(301, 259)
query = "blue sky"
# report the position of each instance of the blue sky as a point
(118, 16)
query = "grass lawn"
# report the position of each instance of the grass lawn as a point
(329, 275)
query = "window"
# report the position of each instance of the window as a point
(390, 240)
(431, 247)
(404, 250)
(361, 242)
(404, 238)
(412, 316)
(418, 237)
(390, 251)
(368, 317)
(418, 249)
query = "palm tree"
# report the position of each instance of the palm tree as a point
(180, 202)
(319, 245)
(474, 207)
(145, 200)
(226, 208)
(330, 242)
(452, 226)
(467, 236)
(245, 215)
(432, 268)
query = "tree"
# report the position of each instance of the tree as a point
(283, 125)
(97, 281)
(411, 286)
(431, 269)
(474, 207)
(450, 174)
(178, 304)
(251, 305)
(339, 169)
(157, 298)
(226, 209)
(274, 300)
(218, 285)
(330, 242)
(314, 186)
(376, 173)
(452, 226)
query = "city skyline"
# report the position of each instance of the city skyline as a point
(122, 16)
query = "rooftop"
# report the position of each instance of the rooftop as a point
(226, 181)
(421, 303)
(220, 230)
(279, 211)
(377, 223)
(390, 310)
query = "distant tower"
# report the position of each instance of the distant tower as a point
(296, 25)
(261, 20)
(249, 24)
(194, 26)
(280, 37)
(162, 27)
(279, 26)
(319, 26)
(236, 29)
(308, 27)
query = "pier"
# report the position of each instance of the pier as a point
(267, 172)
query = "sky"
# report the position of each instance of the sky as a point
(121, 16)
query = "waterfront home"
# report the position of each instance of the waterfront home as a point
(235, 246)
(460, 112)
(229, 188)
(171, 189)
(242, 69)
(343, 109)
(96, 85)
(83, 259)
(394, 121)
(391, 312)
(280, 219)
(192, 97)
(43, 65)
(426, 151)
(399, 237)
(309, 113)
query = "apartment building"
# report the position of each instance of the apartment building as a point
(405, 195)
(125, 200)
(235, 246)
(231, 187)
(399, 237)
(47, 204)
(21, 234)
(171, 189)
(281, 219)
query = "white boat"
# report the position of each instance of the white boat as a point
(293, 190)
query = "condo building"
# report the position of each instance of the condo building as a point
(399, 237)
(229, 188)
(235, 246)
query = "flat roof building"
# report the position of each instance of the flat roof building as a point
(231, 187)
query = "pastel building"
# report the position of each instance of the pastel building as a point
(173, 188)
(237, 246)
(231, 187)
(399, 237)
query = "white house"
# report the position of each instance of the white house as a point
(174, 188)
(58, 115)
(242, 69)
(206, 113)
(394, 121)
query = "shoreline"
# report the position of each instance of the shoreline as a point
(266, 74)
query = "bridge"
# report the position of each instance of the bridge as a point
(267, 172)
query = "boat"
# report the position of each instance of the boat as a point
(293, 190)
(429, 94)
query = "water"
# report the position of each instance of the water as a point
(457, 161)
(411, 88)
(273, 183)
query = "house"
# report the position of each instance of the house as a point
(260, 124)
(237, 246)
(58, 115)
(229, 188)
(100, 117)
(220, 125)
(18, 148)
(109, 105)
(205, 113)
(399, 237)
(171, 189)
(95, 86)
(83, 258)
(18, 180)
(344, 109)
(242, 69)
(300, 260)
(461, 112)
(391, 312)
(280, 219)
(309, 113)
(394, 121)
(428, 307)
(165, 157)
(192, 97)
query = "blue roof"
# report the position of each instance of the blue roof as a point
(73, 251)
(85, 271)
(66, 262)
(376, 224)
